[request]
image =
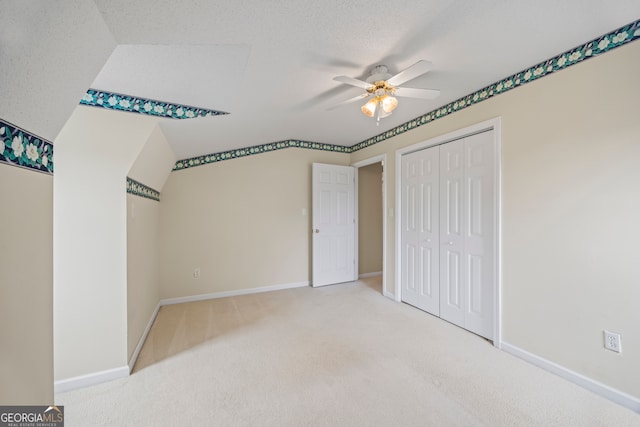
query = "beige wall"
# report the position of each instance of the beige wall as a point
(240, 221)
(143, 266)
(570, 204)
(93, 154)
(155, 162)
(46, 69)
(26, 287)
(152, 167)
(370, 219)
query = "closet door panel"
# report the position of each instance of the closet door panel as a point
(452, 233)
(420, 230)
(480, 218)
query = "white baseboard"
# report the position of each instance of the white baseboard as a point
(374, 274)
(224, 294)
(136, 352)
(590, 384)
(389, 295)
(90, 379)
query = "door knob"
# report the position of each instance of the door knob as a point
(315, 230)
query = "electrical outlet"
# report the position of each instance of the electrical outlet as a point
(196, 273)
(612, 341)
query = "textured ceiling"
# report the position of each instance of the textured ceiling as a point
(206, 76)
(49, 54)
(270, 64)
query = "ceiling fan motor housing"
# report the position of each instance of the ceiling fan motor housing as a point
(381, 87)
(379, 73)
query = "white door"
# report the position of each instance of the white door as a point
(480, 231)
(333, 224)
(420, 232)
(463, 240)
(452, 296)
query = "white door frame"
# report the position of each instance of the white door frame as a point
(492, 124)
(376, 159)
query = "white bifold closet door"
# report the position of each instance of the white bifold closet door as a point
(448, 231)
(420, 230)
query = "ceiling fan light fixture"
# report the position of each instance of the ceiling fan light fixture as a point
(389, 103)
(369, 109)
(383, 88)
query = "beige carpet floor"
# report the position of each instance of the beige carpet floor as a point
(342, 355)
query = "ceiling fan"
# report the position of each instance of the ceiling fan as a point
(382, 89)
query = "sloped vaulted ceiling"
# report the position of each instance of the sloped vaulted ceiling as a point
(50, 52)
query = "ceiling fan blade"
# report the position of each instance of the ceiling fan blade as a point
(348, 101)
(409, 92)
(353, 82)
(417, 69)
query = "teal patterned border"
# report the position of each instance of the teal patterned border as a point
(139, 189)
(24, 149)
(598, 46)
(151, 107)
(256, 149)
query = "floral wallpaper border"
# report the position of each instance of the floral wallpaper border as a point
(151, 107)
(257, 149)
(591, 49)
(139, 189)
(24, 149)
